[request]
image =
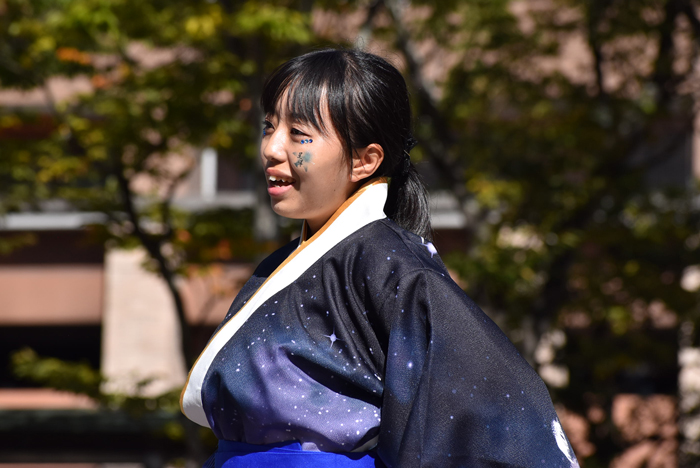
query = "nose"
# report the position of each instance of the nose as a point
(273, 147)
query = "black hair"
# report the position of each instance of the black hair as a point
(368, 103)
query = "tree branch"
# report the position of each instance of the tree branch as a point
(594, 16)
(365, 32)
(153, 245)
(438, 149)
(166, 205)
(663, 75)
(687, 9)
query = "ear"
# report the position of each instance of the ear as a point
(366, 161)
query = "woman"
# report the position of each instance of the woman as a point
(352, 346)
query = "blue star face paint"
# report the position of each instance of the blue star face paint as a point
(303, 158)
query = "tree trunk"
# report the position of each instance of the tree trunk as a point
(688, 397)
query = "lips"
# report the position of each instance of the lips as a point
(278, 185)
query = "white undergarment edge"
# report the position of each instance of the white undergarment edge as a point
(368, 207)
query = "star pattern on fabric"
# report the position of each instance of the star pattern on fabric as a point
(267, 371)
(429, 245)
(333, 338)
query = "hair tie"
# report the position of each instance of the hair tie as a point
(405, 164)
(409, 144)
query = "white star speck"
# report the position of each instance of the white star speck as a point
(333, 338)
(429, 245)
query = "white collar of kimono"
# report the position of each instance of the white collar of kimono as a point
(363, 207)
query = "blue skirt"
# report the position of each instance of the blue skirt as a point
(287, 454)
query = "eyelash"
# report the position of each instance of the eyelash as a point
(268, 125)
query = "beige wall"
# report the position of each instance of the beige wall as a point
(208, 294)
(42, 398)
(51, 295)
(140, 332)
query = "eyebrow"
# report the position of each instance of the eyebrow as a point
(297, 117)
(293, 116)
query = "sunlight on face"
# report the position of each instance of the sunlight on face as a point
(308, 175)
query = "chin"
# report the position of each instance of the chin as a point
(285, 212)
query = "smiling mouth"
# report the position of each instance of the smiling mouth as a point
(279, 181)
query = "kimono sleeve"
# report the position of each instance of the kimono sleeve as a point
(457, 393)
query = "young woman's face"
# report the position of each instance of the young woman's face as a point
(308, 176)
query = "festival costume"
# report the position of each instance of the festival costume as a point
(356, 345)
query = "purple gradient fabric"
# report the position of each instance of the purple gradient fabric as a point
(375, 349)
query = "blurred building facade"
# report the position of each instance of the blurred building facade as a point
(69, 297)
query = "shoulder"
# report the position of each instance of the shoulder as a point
(378, 256)
(384, 242)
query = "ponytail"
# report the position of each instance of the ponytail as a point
(407, 203)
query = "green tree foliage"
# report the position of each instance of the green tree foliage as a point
(579, 219)
(157, 80)
(160, 79)
(82, 379)
(557, 125)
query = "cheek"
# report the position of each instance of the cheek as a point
(303, 160)
(261, 153)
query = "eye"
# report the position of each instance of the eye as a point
(267, 127)
(296, 131)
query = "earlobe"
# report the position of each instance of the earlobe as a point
(366, 161)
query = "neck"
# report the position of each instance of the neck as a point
(310, 228)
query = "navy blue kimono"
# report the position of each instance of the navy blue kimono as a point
(357, 340)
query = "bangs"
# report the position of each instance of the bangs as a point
(308, 83)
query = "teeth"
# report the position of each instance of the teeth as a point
(279, 179)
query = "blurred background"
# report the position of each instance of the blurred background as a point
(559, 139)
